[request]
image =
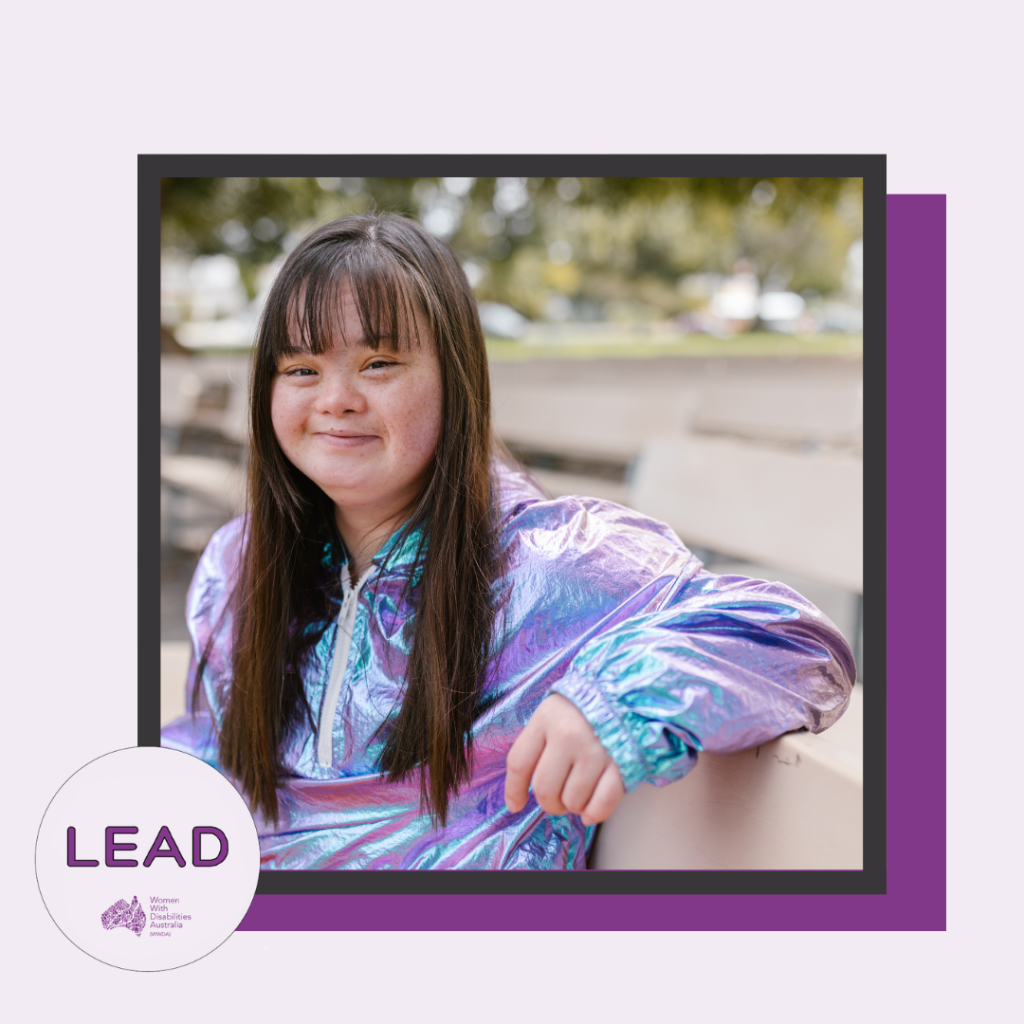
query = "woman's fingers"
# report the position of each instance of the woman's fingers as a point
(568, 768)
(549, 777)
(521, 761)
(583, 778)
(607, 794)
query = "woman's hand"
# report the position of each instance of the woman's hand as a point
(571, 771)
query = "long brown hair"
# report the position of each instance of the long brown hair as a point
(285, 599)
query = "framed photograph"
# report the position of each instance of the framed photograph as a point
(705, 343)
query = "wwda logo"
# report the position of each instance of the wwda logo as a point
(124, 915)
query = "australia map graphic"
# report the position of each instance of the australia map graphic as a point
(121, 915)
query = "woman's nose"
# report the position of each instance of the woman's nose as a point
(340, 393)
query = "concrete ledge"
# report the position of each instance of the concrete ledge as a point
(559, 484)
(795, 803)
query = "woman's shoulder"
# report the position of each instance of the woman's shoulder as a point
(224, 550)
(575, 527)
(514, 487)
(216, 573)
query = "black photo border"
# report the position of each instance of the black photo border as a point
(872, 169)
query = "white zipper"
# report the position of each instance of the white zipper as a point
(346, 623)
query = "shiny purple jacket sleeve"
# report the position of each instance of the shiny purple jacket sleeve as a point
(194, 733)
(209, 623)
(727, 663)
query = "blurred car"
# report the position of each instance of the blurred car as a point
(501, 321)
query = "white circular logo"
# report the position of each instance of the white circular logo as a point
(147, 858)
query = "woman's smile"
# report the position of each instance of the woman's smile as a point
(343, 441)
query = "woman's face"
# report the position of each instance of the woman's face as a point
(361, 424)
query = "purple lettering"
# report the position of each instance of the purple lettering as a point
(113, 847)
(164, 836)
(73, 861)
(197, 846)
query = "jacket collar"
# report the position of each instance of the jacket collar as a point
(398, 551)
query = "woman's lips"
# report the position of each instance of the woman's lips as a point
(347, 441)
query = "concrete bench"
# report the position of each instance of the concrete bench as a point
(793, 803)
(184, 380)
(198, 495)
(763, 503)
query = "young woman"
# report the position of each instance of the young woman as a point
(407, 655)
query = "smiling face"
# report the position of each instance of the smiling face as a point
(362, 424)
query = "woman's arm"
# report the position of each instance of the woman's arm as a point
(728, 664)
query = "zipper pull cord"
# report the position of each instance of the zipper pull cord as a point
(342, 645)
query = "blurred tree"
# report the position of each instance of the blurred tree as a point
(589, 246)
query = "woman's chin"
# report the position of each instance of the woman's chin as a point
(357, 496)
(358, 476)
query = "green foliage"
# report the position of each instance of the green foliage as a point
(619, 244)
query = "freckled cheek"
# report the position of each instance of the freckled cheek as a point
(287, 417)
(421, 429)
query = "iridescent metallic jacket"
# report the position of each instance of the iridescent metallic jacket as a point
(604, 606)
